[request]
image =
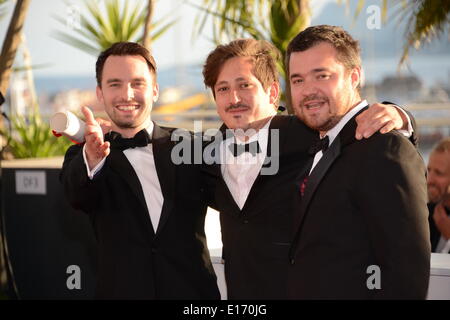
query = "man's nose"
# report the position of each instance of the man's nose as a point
(234, 97)
(309, 88)
(129, 92)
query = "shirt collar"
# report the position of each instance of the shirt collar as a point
(262, 136)
(333, 132)
(150, 129)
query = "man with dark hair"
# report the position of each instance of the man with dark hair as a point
(360, 228)
(254, 208)
(438, 183)
(256, 204)
(148, 214)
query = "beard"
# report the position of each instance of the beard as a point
(319, 122)
(434, 195)
(322, 121)
(322, 125)
(125, 124)
(130, 121)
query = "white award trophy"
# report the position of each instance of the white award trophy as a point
(69, 125)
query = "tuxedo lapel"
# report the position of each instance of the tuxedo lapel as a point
(229, 203)
(275, 124)
(165, 170)
(315, 177)
(222, 192)
(344, 138)
(120, 164)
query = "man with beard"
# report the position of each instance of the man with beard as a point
(148, 214)
(254, 184)
(438, 182)
(360, 228)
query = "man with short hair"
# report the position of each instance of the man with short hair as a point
(148, 214)
(360, 229)
(438, 183)
(254, 185)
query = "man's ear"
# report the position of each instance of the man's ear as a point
(274, 92)
(99, 94)
(155, 92)
(356, 77)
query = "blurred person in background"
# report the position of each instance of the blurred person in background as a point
(438, 183)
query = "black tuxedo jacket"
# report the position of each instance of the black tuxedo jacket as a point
(135, 262)
(256, 239)
(364, 205)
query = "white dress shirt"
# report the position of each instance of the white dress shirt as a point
(333, 133)
(143, 163)
(241, 172)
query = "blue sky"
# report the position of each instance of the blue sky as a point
(175, 47)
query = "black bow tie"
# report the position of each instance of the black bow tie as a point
(141, 139)
(238, 149)
(319, 145)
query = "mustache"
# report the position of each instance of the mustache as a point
(312, 97)
(236, 106)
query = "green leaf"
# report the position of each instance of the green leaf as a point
(107, 24)
(75, 42)
(31, 137)
(163, 29)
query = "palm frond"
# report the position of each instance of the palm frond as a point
(3, 10)
(275, 21)
(31, 137)
(33, 67)
(234, 27)
(103, 26)
(75, 42)
(425, 20)
(160, 31)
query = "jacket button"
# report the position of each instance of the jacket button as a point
(154, 250)
(245, 221)
(292, 261)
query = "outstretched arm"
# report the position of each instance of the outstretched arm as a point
(79, 162)
(96, 148)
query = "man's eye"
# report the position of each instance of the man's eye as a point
(297, 81)
(222, 89)
(323, 76)
(245, 85)
(114, 85)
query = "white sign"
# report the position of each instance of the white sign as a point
(30, 182)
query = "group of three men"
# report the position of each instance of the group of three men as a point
(335, 207)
